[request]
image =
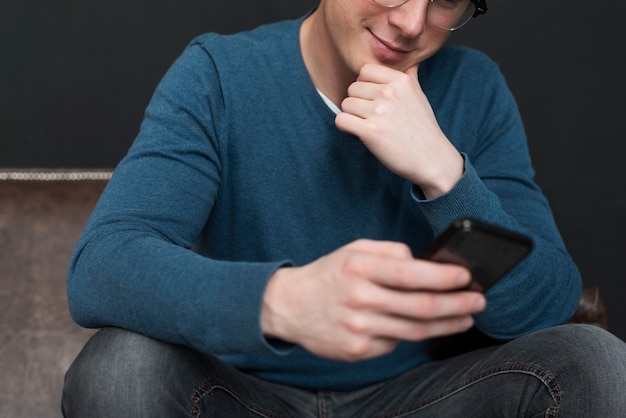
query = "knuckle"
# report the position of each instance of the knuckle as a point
(358, 297)
(380, 109)
(388, 92)
(358, 348)
(356, 324)
(354, 265)
(416, 333)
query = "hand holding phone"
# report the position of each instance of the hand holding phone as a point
(488, 251)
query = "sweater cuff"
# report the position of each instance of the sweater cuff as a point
(468, 198)
(236, 314)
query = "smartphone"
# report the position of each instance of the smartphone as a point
(488, 251)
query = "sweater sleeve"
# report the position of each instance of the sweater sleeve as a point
(134, 267)
(498, 187)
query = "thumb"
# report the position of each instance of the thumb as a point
(412, 71)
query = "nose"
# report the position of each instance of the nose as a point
(410, 18)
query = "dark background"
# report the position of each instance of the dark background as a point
(75, 77)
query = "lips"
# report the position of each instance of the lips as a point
(388, 51)
(392, 47)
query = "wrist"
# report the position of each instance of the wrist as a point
(271, 324)
(446, 178)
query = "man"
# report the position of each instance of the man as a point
(253, 255)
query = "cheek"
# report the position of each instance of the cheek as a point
(347, 35)
(432, 40)
(440, 37)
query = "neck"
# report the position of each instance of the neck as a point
(327, 72)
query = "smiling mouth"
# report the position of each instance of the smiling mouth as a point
(388, 51)
(393, 48)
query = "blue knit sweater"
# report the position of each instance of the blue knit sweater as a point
(239, 169)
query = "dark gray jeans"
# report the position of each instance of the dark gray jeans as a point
(567, 371)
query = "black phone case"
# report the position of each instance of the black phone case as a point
(488, 251)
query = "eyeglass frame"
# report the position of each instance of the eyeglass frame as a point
(480, 5)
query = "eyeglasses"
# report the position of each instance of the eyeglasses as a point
(446, 14)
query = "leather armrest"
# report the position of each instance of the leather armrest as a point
(591, 309)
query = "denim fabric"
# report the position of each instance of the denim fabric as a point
(567, 371)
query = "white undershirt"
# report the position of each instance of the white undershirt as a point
(329, 103)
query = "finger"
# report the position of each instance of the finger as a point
(417, 305)
(428, 306)
(363, 90)
(356, 106)
(411, 274)
(440, 328)
(389, 248)
(377, 74)
(412, 72)
(390, 328)
(352, 124)
(365, 347)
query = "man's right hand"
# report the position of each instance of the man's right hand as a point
(361, 300)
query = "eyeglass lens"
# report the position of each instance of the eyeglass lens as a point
(444, 14)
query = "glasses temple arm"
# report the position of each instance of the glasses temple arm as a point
(481, 7)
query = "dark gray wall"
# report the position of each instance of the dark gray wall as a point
(566, 62)
(76, 77)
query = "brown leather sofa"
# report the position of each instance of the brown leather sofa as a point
(42, 214)
(41, 217)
